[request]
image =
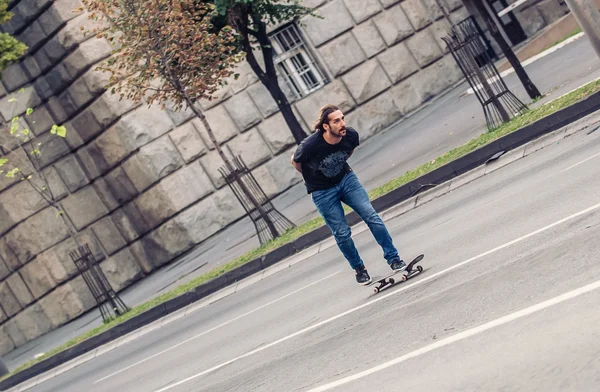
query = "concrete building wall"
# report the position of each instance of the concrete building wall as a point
(141, 185)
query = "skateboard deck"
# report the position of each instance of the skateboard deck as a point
(408, 273)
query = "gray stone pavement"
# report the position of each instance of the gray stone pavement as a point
(443, 124)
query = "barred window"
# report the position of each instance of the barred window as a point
(295, 63)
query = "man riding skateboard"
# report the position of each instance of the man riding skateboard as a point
(321, 159)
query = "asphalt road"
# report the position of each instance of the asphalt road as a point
(508, 301)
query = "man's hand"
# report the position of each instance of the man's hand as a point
(297, 166)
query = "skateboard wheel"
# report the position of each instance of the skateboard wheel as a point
(420, 268)
(404, 278)
(392, 281)
(376, 290)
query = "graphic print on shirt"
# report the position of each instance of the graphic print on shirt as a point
(333, 164)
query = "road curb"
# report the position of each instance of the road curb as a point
(395, 203)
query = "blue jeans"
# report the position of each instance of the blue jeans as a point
(351, 192)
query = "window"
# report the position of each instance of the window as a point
(295, 63)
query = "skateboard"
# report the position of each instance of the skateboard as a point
(408, 273)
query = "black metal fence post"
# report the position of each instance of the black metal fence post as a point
(277, 219)
(467, 46)
(109, 303)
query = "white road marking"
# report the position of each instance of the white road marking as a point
(582, 162)
(465, 334)
(381, 298)
(215, 328)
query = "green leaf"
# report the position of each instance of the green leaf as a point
(26, 132)
(59, 213)
(15, 119)
(3, 161)
(61, 131)
(14, 128)
(13, 99)
(29, 111)
(22, 90)
(12, 172)
(53, 130)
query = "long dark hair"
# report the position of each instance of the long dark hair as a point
(323, 116)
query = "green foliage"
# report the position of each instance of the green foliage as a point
(10, 48)
(271, 11)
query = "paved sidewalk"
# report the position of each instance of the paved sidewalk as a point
(444, 124)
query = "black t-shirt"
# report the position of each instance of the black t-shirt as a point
(324, 165)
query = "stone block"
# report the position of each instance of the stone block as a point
(388, 3)
(398, 62)
(209, 215)
(405, 97)
(4, 271)
(112, 146)
(108, 107)
(56, 110)
(552, 10)
(335, 19)
(48, 228)
(33, 36)
(153, 162)
(72, 34)
(242, 111)
(26, 99)
(179, 116)
(262, 99)
(33, 322)
(84, 126)
(57, 261)
(120, 185)
(282, 172)
(345, 50)
(11, 329)
(87, 54)
(366, 81)
(96, 80)
(369, 39)
(217, 98)
(31, 67)
(9, 301)
(93, 162)
(52, 148)
(108, 235)
(21, 201)
(130, 222)
(424, 48)
(169, 240)
(531, 20)
(72, 173)
(334, 93)
(143, 125)
(121, 270)
(3, 318)
(188, 141)
(221, 124)
(251, 147)
(393, 24)
(374, 116)
(211, 163)
(142, 257)
(19, 289)
(6, 343)
(105, 193)
(434, 79)
(84, 207)
(246, 76)
(277, 133)
(58, 78)
(9, 256)
(439, 30)
(312, 3)
(79, 95)
(67, 302)
(433, 9)
(37, 277)
(362, 10)
(459, 15)
(417, 14)
(40, 121)
(6, 222)
(14, 77)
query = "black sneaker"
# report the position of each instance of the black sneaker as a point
(398, 265)
(362, 276)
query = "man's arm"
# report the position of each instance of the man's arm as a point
(297, 165)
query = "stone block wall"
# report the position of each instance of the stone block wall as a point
(140, 184)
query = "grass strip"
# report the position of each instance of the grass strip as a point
(292, 234)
